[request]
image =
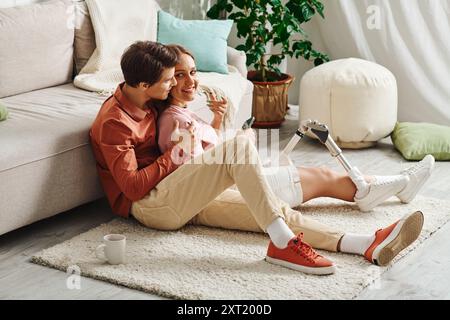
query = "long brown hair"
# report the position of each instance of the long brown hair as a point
(178, 50)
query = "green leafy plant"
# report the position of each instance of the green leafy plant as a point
(262, 22)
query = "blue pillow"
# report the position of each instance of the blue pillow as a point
(205, 39)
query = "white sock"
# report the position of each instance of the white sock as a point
(356, 243)
(279, 233)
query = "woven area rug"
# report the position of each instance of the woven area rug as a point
(207, 263)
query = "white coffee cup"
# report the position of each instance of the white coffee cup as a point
(113, 249)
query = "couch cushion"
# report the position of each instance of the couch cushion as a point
(46, 161)
(43, 35)
(84, 44)
(46, 122)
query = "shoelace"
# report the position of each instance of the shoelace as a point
(304, 249)
(413, 169)
(382, 181)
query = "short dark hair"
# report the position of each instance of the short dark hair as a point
(145, 61)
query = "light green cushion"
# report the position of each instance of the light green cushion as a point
(205, 39)
(416, 140)
(3, 112)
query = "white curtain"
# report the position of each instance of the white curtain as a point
(409, 37)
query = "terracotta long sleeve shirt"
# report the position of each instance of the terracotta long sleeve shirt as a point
(129, 162)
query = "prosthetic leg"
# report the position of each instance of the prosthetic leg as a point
(321, 132)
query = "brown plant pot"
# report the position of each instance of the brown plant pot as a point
(270, 100)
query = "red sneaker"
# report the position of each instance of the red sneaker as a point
(393, 239)
(300, 256)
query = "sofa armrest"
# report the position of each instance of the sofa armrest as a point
(237, 59)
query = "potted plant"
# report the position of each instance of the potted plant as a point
(264, 23)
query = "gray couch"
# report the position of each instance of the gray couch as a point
(46, 162)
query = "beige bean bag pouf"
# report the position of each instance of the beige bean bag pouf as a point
(355, 98)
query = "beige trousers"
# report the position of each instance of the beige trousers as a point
(198, 192)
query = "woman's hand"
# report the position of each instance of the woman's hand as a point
(186, 139)
(219, 108)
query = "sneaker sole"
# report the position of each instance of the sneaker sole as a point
(369, 206)
(405, 232)
(418, 187)
(310, 270)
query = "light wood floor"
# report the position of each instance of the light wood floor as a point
(424, 274)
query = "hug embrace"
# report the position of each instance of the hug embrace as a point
(153, 155)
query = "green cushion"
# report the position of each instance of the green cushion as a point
(3, 112)
(205, 39)
(416, 140)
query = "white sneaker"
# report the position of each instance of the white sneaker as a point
(417, 174)
(380, 190)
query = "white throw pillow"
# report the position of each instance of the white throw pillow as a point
(115, 31)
